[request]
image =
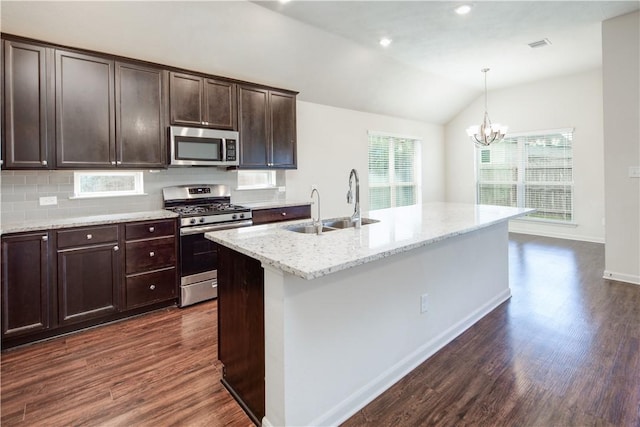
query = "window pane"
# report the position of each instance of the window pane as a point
(403, 161)
(378, 161)
(405, 196)
(379, 198)
(498, 194)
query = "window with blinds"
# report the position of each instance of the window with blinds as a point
(533, 170)
(394, 171)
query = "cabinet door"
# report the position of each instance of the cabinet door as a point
(87, 282)
(253, 126)
(26, 294)
(28, 106)
(185, 99)
(283, 130)
(220, 106)
(85, 122)
(140, 129)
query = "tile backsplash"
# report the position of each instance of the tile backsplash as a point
(20, 193)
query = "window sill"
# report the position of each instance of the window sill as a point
(104, 196)
(546, 221)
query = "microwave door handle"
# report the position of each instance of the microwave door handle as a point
(223, 155)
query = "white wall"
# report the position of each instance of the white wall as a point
(621, 82)
(332, 141)
(572, 101)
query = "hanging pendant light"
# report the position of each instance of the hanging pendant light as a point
(487, 132)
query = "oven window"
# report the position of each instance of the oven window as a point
(188, 148)
(198, 254)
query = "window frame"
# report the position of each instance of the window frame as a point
(416, 183)
(138, 190)
(521, 183)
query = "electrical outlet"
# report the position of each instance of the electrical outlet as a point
(424, 303)
(48, 200)
(634, 171)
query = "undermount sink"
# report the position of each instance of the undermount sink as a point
(330, 225)
(346, 222)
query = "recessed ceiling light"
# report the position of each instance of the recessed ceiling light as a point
(463, 9)
(539, 43)
(385, 41)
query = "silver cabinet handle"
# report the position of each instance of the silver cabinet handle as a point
(152, 253)
(116, 248)
(44, 163)
(152, 287)
(45, 238)
(89, 237)
(113, 162)
(118, 162)
(152, 229)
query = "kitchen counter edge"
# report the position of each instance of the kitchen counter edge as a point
(82, 221)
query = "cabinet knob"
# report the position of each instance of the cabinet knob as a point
(152, 287)
(45, 238)
(89, 236)
(284, 214)
(113, 162)
(118, 162)
(152, 253)
(116, 248)
(44, 163)
(152, 229)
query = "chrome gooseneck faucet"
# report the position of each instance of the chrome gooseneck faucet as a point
(317, 223)
(356, 218)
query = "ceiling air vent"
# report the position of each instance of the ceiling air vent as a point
(539, 43)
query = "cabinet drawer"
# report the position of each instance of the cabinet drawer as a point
(87, 236)
(147, 288)
(145, 230)
(144, 255)
(263, 216)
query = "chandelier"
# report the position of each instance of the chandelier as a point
(487, 132)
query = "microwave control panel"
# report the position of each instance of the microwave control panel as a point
(231, 149)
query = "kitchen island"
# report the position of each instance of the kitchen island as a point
(330, 321)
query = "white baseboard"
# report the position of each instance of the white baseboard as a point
(555, 235)
(348, 407)
(622, 277)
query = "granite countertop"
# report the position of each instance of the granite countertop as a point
(81, 221)
(400, 229)
(274, 204)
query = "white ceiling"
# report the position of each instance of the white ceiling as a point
(329, 52)
(430, 37)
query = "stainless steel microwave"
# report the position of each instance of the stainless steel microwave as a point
(203, 147)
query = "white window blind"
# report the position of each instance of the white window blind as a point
(394, 171)
(533, 170)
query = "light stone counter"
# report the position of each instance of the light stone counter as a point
(310, 256)
(50, 224)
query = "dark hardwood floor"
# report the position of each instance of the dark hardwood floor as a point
(563, 351)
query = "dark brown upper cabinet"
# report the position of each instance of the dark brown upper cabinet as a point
(140, 119)
(28, 106)
(267, 125)
(202, 102)
(85, 106)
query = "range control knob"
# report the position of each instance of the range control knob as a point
(241, 215)
(192, 221)
(234, 216)
(202, 219)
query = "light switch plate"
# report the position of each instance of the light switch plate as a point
(634, 171)
(48, 200)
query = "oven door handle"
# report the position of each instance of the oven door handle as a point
(186, 231)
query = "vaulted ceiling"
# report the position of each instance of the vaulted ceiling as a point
(329, 51)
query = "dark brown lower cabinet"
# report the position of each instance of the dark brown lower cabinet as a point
(26, 284)
(60, 281)
(241, 329)
(88, 282)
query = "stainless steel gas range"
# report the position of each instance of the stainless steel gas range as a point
(202, 208)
